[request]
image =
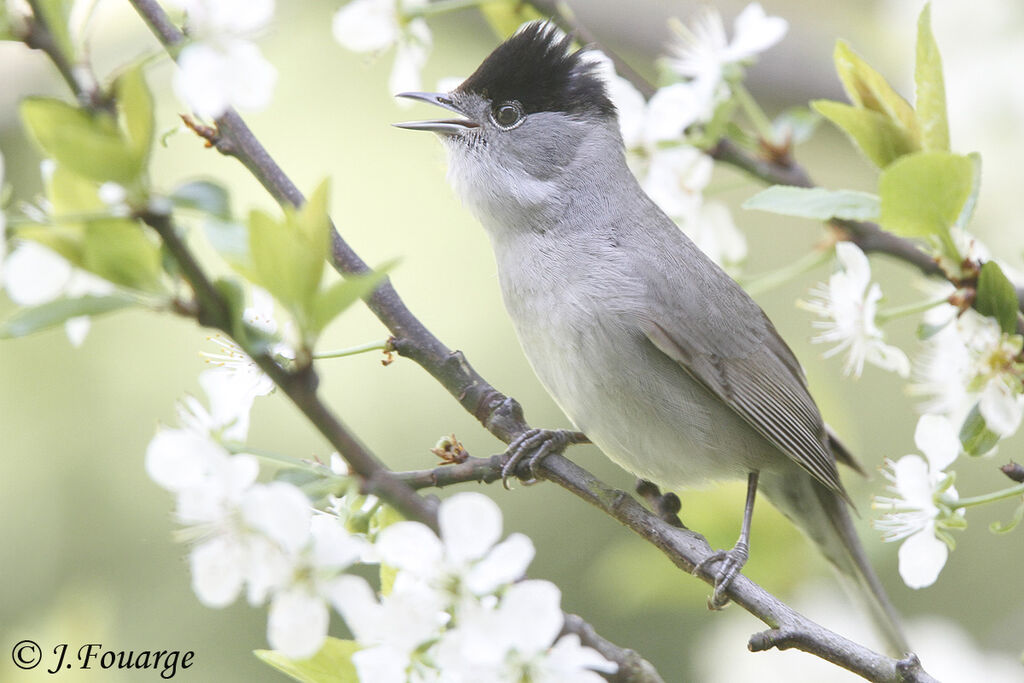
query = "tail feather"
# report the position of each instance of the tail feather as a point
(823, 516)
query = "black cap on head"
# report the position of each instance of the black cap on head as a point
(536, 67)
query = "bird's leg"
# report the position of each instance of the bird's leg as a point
(535, 445)
(732, 561)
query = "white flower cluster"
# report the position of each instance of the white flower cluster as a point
(221, 67)
(452, 610)
(674, 174)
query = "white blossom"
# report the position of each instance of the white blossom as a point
(377, 25)
(970, 361)
(221, 67)
(392, 629)
(34, 275)
(235, 364)
(299, 615)
(849, 304)
(514, 640)
(467, 560)
(915, 513)
(704, 55)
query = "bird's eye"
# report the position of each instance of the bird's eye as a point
(508, 115)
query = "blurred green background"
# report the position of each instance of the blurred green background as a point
(86, 537)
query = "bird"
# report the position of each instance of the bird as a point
(649, 348)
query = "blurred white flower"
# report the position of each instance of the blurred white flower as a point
(849, 304)
(221, 68)
(391, 630)
(515, 640)
(704, 55)
(914, 514)
(969, 362)
(377, 25)
(34, 275)
(467, 560)
(3, 222)
(713, 230)
(236, 366)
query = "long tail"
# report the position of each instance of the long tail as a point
(823, 516)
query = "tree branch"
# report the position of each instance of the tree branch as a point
(503, 417)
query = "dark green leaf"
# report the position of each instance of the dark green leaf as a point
(204, 195)
(997, 297)
(35, 318)
(332, 664)
(817, 203)
(880, 139)
(931, 88)
(975, 436)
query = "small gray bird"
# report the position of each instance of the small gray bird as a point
(651, 350)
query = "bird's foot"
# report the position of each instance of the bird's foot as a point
(534, 445)
(730, 564)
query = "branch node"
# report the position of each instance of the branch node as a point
(780, 638)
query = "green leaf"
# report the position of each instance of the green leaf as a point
(118, 250)
(923, 195)
(339, 296)
(876, 135)
(975, 436)
(868, 89)
(135, 107)
(967, 213)
(230, 239)
(25, 321)
(88, 144)
(204, 195)
(931, 88)
(997, 297)
(332, 664)
(816, 202)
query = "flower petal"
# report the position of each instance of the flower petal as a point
(297, 623)
(217, 571)
(366, 25)
(506, 563)
(938, 440)
(410, 546)
(1001, 408)
(922, 556)
(755, 32)
(280, 511)
(34, 275)
(531, 615)
(470, 525)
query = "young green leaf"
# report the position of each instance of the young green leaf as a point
(868, 89)
(816, 202)
(25, 321)
(118, 250)
(975, 436)
(796, 124)
(997, 297)
(336, 298)
(332, 664)
(89, 144)
(967, 213)
(931, 88)
(923, 194)
(135, 109)
(880, 139)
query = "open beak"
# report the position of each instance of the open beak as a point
(443, 126)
